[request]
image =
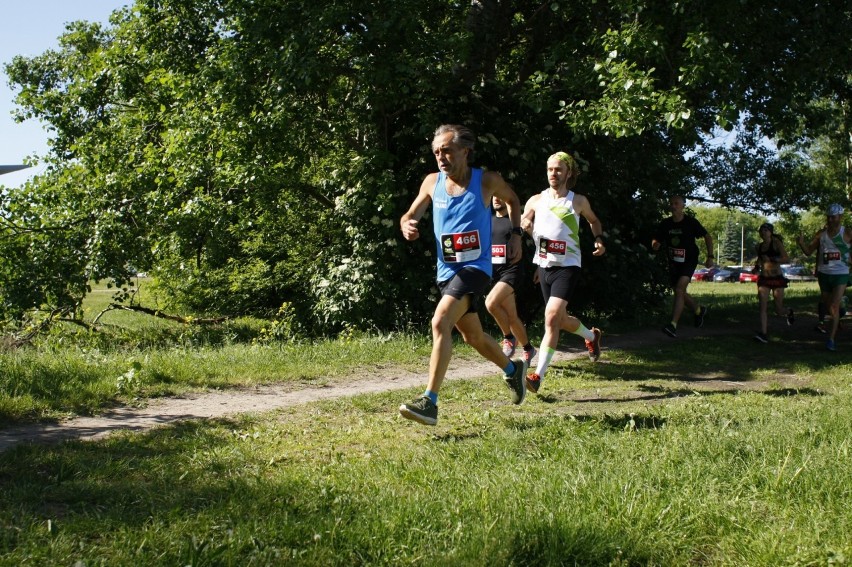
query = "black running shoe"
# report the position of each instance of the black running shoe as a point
(421, 410)
(517, 381)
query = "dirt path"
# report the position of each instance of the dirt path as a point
(222, 403)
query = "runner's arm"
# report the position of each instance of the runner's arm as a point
(408, 221)
(585, 209)
(708, 241)
(809, 247)
(782, 257)
(528, 218)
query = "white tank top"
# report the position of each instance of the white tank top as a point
(556, 231)
(833, 256)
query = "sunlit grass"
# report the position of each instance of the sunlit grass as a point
(710, 450)
(649, 473)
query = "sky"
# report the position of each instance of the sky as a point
(29, 28)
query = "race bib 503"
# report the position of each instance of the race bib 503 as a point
(498, 253)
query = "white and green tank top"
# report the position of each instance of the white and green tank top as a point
(556, 231)
(833, 256)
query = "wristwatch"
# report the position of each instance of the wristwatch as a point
(517, 230)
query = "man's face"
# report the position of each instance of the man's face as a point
(451, 158)
(498, 204)
(557, 173)
(676, 205)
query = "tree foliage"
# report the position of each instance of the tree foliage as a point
(255, 153)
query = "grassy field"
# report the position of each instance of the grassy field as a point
(708, 450)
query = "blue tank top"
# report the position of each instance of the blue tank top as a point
(462, 227)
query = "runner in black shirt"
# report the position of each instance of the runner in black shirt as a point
(678, 233)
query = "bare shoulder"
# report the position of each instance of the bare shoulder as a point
(492, 179)
(580, 199)
(429, 183)
(533, 200)
(581, 203)
(493, 184)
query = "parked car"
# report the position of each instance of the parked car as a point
(798, 274)
(729, 274)
(698, 274)
(704, 274)
(747, 277)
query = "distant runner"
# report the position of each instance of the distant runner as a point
(678, 233)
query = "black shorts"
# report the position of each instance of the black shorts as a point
(467, 281)
(772, 282)
(511, 274)
(678, 270)
(558, 281)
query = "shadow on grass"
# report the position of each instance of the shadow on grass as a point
(542, 544)
(717, 355)
(154, 482)
(455, 437)
(646, 393)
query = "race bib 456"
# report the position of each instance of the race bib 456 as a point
(551, 247)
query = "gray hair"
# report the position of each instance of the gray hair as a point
(462, 136)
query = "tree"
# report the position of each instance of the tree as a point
(254, 153)
(733, 250)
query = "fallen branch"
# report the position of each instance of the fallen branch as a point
(29, 335)
(161, 315)
(80, 322)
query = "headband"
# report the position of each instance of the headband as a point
(564, 157)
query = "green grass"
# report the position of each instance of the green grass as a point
(136, 356)
(48, 384)
(711, 450)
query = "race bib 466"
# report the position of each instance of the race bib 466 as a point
(461, 246)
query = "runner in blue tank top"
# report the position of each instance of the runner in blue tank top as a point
(461, 198)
